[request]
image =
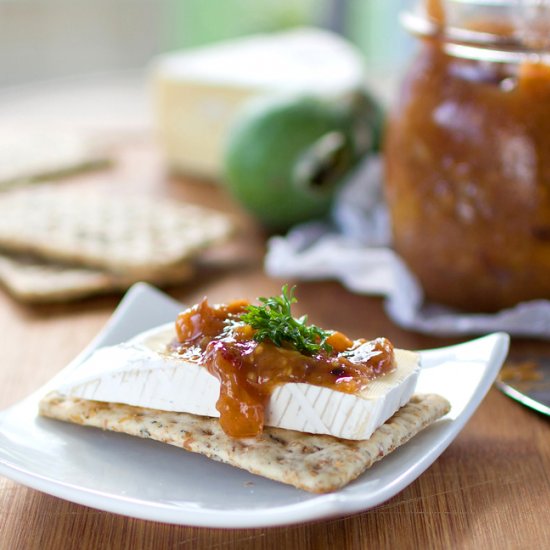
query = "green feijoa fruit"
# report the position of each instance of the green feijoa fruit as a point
(286, 156)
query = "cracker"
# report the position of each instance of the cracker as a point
(27, 156)
(316, 463)
(32, 280)
(137, 236)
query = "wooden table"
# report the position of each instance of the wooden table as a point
(490, 489)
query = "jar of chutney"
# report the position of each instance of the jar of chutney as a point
(467, 153)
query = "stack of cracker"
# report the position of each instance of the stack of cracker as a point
(59, 243)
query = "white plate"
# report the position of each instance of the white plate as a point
(150, 480)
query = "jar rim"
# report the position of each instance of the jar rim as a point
(473, 44)
(506, 3)
(484, 2)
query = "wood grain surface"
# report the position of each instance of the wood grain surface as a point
(490, 489)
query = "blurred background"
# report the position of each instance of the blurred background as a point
(46, 39)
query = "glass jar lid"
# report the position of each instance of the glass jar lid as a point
(507, 31)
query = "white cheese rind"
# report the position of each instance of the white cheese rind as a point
(137, 374)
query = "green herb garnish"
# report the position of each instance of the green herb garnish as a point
(273, 321)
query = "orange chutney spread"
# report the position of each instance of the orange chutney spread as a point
(249, 371)
(468, 175)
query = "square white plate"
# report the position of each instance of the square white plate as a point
(150, 480)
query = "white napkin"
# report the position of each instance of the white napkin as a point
(355, 249)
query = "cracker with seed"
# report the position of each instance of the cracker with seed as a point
(32, 280)
(135, 236)
(32, 155)
(316, 463)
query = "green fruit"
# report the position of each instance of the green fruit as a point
(286, 157)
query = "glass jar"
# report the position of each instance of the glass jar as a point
(468, 154)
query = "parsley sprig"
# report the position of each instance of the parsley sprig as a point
(273, 321)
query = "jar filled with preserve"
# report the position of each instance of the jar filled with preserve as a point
(467, 153)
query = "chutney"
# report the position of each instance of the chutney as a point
(249, 371)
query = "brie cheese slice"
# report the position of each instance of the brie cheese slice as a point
(142, 373)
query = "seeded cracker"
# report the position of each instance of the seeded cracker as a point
(316, 463)
(35, 281)
(135, 236)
